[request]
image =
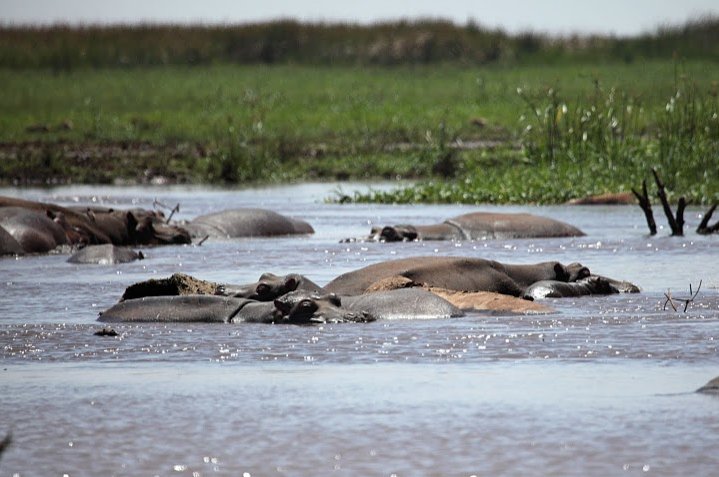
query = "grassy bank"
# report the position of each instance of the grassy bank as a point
(458, 127)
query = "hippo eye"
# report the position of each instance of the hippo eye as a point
(262, 289)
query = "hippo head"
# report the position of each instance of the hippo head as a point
(269, 287)
(396, 233)
(302, 307)
(149, 229)
(571, 273)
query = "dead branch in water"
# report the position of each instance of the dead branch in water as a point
(704, 228)
(646, 206)
(176, 208)
(675, 223)
(670, 299)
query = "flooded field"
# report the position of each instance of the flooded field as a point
(602, 387)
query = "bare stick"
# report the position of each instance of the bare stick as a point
(646, 206)
(665, 205)
(203, 240)
(704, 228)
(172, 212)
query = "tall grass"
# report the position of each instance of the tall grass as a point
(594, 143)
(63, 48)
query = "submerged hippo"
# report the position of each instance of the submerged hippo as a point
(8, 244)
(219, 309)
(478, 226)
(712, 387)
(106, 254)
(591, 285)
(271, 286)
(403, 303)
(33, 230)
(41, 227)
(246, 223)
(457, 273)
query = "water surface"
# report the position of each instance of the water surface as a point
(602, 387)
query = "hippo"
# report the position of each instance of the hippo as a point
(271, 286)
(8, 244)
(96, 225)
(609, 198)
(403, 303)
(477, 226)
(247, 222)
(219, 309)
(33, 230)
(135, 226)
(712, 387)
(457, 273)
(106, 254)
(591, 285)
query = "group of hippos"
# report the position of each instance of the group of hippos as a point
(414, 287)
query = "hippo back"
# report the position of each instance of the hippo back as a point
(8, 244)
(247, 223)
(404, 303)
(481, 225)
(106, 254)
(33, 230)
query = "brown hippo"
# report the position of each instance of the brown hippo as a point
(246, 223)
(457, 273)
(477, 226)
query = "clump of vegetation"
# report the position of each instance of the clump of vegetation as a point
(602, 142)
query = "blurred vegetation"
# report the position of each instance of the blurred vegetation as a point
(475, 115)
(64, 48)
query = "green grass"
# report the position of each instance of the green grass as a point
(277, 123)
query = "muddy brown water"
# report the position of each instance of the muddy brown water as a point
(603, 387)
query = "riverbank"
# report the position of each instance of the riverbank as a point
(471, 134)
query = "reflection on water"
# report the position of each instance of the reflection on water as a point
(602, 387)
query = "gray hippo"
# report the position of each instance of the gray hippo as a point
(477, 226)
(219, 309)
(457, 273)
(106, 254)
(271, 286)
(246, 223)
(591, 285)
(33, 230)
(712, 387)
(8, 244)
(403, 303)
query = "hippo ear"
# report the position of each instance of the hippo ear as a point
(263, 289)
(291, 283)
(282, 306)
(131, 220)
(334, 299)
(560, 272)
